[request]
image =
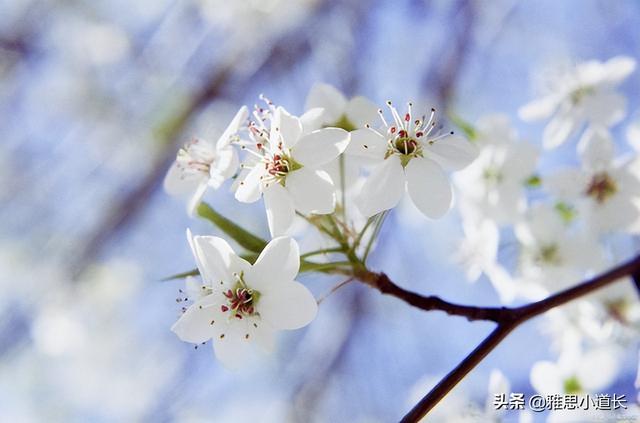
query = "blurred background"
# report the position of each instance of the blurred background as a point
(95, 99)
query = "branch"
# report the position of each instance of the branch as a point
(507, 319)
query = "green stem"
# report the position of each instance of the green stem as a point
(374, 235)
(323, 251)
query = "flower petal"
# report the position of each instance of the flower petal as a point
(606, 107)
(249, 188)
(195, 324)
(361, 111)
(428, 187)
(289, 126)
(383, 188)
(278, 262)
(564, 123)
(196, 198)
(312, 119)
(290, 307)
(280, 210)
(320, 147)
(233, 350)
(330, 99)
(219, 261)
(539, 109)
(312, 191)
(234, 126)
(618, 69)
(453, 153)
(175, 184)
(367, 143)
(223, 167)
(596, 148)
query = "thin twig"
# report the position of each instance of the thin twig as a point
(509, 319)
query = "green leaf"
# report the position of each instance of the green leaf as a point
(243, 237)
(309, 266)
(192, 272)
(465, 126)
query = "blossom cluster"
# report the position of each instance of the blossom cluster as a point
(534, 226)
(341, 165)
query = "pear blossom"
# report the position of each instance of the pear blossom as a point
(586, 94)
(494, 182)
(201, 164)
(408, 157)
(552, 255)
(284, 166)
(605, 191)
(245, 303)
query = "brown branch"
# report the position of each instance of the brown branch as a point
(507, 319)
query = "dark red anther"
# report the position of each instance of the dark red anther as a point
(393, 129)
(407, 117)
(224, 308)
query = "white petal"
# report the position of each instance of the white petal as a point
(598, 369)
(280, 210)
(196, 198)
(546, 378)
(218, 259)
(249, 188)
(278, 263)
(312, 191)
(428, 187)
(362, 111)
(367, 143)
(232, 350)
(312, 119)
(195, 324)
(175, 184)
(633, 133)
(539, 109)
(320, 147)
(561, 127)
(566, 184)
(330, 99)
(596, 148)
(605, 107)
(234, 126)
(289, 126)
(383, 188)
(223, 167)
(618, 69)
(290, 307)
(453, 152)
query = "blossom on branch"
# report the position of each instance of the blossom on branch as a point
(244, 303)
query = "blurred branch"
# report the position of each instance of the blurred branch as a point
(453, 54)
(508, 319)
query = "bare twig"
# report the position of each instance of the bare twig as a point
(508, 319)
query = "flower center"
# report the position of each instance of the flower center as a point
(579, 94)
(241, 300)
(195, 159)
(548, 254)
(601, 187)
(406, 136)
(492, 175)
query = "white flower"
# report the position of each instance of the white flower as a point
(494, 182)
(577, 371)
(201, 164)
(552, 255)
(284, 166)
(338, 111)
(409, 158)
(604, 191)
(584, 95)
(244, 302)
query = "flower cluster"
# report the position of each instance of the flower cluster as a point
(340, 166)
(533, 233)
